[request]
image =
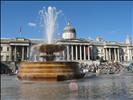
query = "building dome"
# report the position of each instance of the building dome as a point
(99, 38)
(69, 32)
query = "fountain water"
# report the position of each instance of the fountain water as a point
(49, 21)
(50, 69)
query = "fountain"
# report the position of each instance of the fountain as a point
(49, 69)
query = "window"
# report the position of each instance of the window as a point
(1, 57)
(7, 48)
(101, 50)
(7, 58)
(126, 58)
(1, 48)
(132, 51)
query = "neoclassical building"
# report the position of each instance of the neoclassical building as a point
(80, 50)
(84, 50)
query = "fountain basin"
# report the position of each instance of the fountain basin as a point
(50, 70)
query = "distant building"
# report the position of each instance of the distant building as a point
(81, 50)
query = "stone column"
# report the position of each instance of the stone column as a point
(107, 57)
(104, 53)
(63, 55)
(80, 53)
(129, 53)
(109, 54)
(23, 53)
(115, 56)
(84, 53)
(15, 54)
(35, 58)
(11, 54)
(118, 54)
(76, 53)
(72, 52)
(68, 56)
(27, 52)
(88, 53)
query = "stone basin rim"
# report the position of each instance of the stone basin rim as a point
(48, 62)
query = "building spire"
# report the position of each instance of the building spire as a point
(128, 40)
(69, 23)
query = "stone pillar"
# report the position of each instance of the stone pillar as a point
(15, 54)
(35, 58)
(88, 53)
(104, 54)
(11, 54)
(84, 53)
(27, 52)
(129, 53)
(109, 54)
(68, 56)
(115, 55)
(118, 54)
(72, 52)
(23, 53)
(63, 55)
(107, 57)
(80, 53)
(76, 53)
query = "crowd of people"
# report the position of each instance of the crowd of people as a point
(102, 68)
(130, 67)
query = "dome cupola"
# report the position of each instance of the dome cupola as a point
(69, 32)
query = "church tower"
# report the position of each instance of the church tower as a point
(128, 40)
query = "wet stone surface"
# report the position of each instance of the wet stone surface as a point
(103, 87)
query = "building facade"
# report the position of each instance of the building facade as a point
(85, 50)
(80, 50)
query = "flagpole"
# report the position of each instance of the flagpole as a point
(20, 31)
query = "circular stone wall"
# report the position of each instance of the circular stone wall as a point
(49, 71)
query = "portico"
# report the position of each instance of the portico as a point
(111, 53)
(19, 50)
(77, 51)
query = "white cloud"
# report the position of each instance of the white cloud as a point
(32, 24)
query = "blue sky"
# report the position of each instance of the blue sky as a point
(112, 20)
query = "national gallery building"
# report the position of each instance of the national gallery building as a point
(80, 50)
